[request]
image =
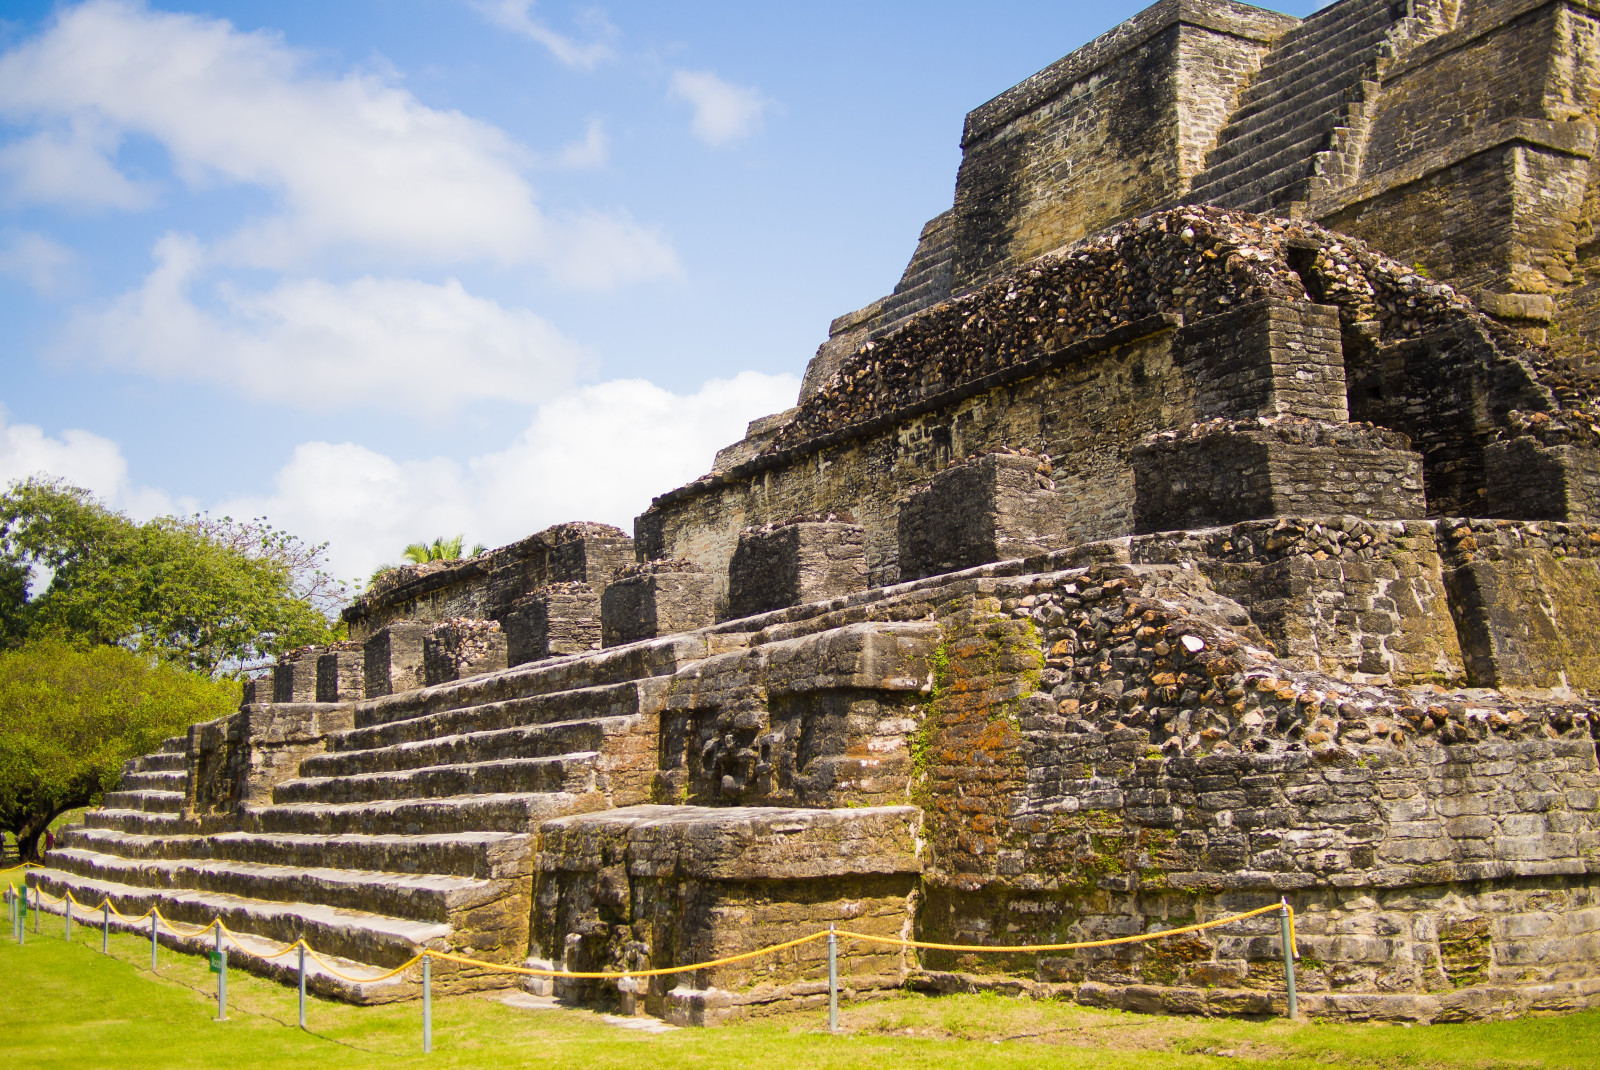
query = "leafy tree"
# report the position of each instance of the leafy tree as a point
(70, 715)
(208, 594)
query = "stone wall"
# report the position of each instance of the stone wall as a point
(484, 587)
(235, 761)
(1177, 318)
(1117, 128)
(657, 886)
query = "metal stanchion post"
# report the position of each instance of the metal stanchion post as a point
(302, 984)
(22, 916)
(105, 927)
(222, 977)
(1288, 957)
(66, 916)
(833, 980)
(153, 916)
(427, 1005)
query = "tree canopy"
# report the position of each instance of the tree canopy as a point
(71, 715)
(208, 594)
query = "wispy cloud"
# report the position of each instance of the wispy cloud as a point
(38, 260)
(357, 166)
(598, 453)
(517, 17)
(80, 457)
(417, 346)
(723, 112)
(592, 151)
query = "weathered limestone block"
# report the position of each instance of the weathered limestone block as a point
(235, 761)
(656, 598)
(1223, 472)
(1363, 599)
(1000, 506)
(392, 658)
(341, 673)
(696, 883)
(258, 688)
(1528, 480)
(557, 619)
(294, 677)
(1270, 358)
(820, 720)
(1526, 599)
(485, 587)
(462, 647)
(788, 564)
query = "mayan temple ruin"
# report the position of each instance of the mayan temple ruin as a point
(1211, 514)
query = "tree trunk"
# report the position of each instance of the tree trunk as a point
(33, 830)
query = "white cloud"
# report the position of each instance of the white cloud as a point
(70, 163)
(592, 151)
(356, 163)
(599, 453)
(319, 345)
(517, 17)
(81, 458)
(723, 112)
(38, 260)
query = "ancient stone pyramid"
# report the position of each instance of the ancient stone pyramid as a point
(1211, 514)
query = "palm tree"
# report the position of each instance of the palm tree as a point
(441, 549)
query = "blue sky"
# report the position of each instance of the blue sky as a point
(388, 270)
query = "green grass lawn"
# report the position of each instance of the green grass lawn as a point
(69, 1006)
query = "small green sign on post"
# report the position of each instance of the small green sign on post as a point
(216, 961)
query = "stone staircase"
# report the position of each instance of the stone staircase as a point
(1303, 116)
(927, 277)
(150, 796)
(412, 829)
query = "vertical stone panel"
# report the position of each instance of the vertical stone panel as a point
(393, 658)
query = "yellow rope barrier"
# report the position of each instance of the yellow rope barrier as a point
(25, 865)
(610, 975)
(1019, 948)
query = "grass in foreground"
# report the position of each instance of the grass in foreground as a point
(71, 1007)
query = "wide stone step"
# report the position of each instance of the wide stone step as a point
(155, 802)
(418, 896)
(609, 700)
(358, 935)
(160, 762)
(502, 812)
(1312, 59)
(1310, 140)
(162, 781)
(484, 855)
(133, 821)
(560, 773)
(636, 661)
(257, 954)
(1320, 108)
(1299, 51)
(527, 741)
(1260, 180)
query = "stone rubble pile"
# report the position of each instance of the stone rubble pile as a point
(1126, 656)
(1296, 429)
(831, 516)
(1191, 262)
(657, 567)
